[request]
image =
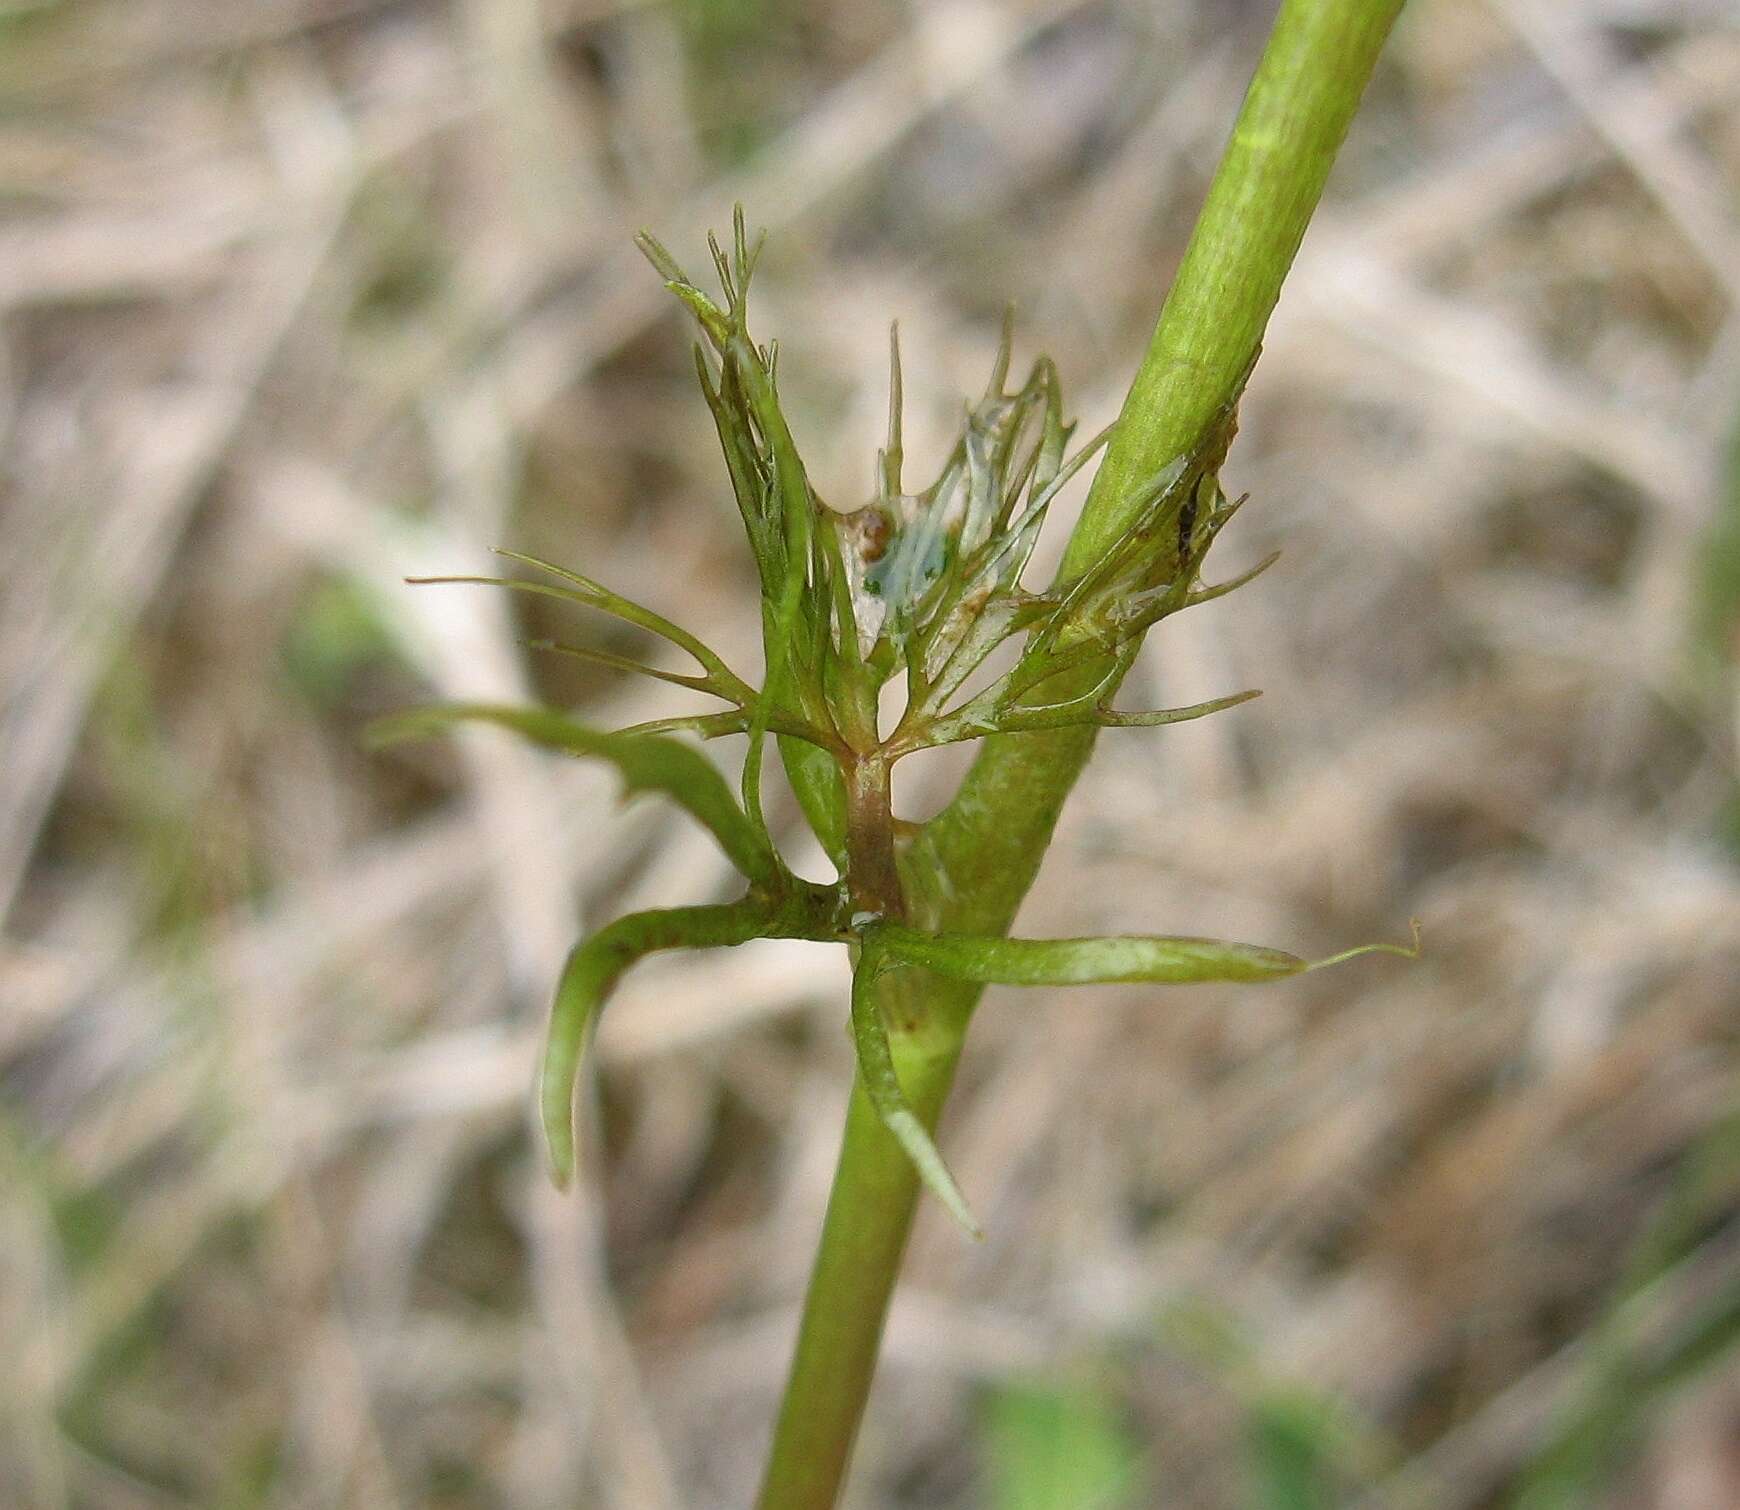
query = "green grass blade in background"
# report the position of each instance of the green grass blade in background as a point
(1051, 1446)
(1629, 1376)
(1291, 1442)
(1716, 615)
(1716, 604)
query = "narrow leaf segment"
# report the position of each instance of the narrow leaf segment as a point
(882, 1085)
(646, 762)
(587, 979)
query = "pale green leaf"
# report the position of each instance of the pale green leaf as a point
(1057, 1446)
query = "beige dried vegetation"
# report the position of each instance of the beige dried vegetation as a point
(297, 298)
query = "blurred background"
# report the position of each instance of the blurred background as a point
(301, 297)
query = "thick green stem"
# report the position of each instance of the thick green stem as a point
(1296, 113)
(989, 841)
(863, 1237)
(972, 865)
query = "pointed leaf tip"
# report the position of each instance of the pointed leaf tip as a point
(919, 1146)
(1409, 950)
(1111, 718)
(655, 252)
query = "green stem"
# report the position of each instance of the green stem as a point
(973, 863)
(863, 1237)
(1295, 116)
(990, 839)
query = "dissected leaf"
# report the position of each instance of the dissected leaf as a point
(647, 762)
(636, 614)
(995, 621)
(1232, 584)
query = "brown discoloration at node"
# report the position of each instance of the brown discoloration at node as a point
(869, 531)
